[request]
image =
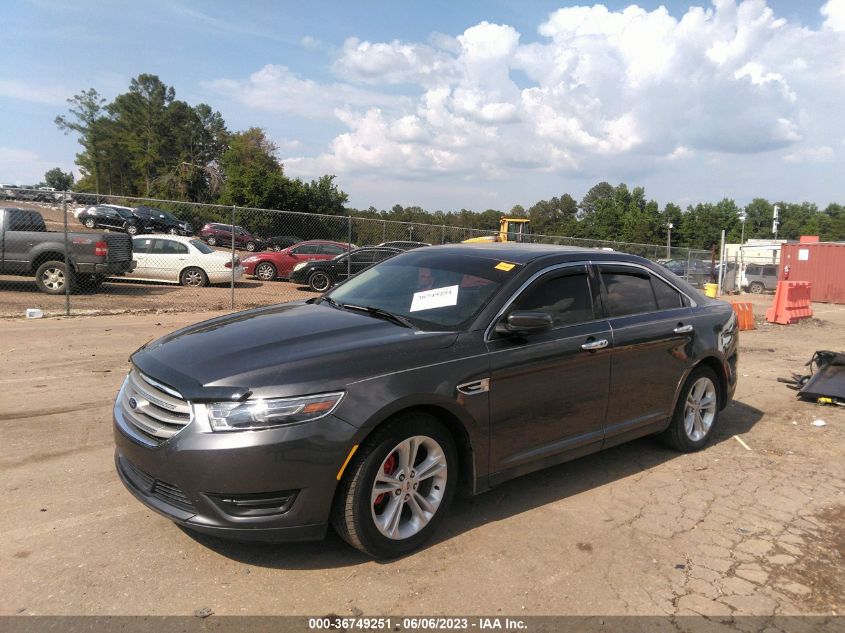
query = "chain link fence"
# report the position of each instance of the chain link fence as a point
(147, 255)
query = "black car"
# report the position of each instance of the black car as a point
(440, 370)
(281, 242)
(322, 275)
(161, 221)
(110, 217)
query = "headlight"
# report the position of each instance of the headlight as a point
(300, 265)
(265, 414)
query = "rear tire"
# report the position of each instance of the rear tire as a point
(250, 246)
(696, 412)
(756, 288)
(319, 281)
(265, 271)
(212, 241)
(51, 277)
(388, 502)
(132, 229)
(89, 283)
(193, 277)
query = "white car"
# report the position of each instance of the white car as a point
(181, 260)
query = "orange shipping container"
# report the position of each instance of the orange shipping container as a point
(821, 263)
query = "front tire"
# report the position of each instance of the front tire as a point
(193, 277)
(132, 229)
(212, 241)
(90, 223)
(319, 281)
(265, 271)
(696, 412)
(250, 246)
(398, 487)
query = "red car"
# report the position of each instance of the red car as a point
(271, 265)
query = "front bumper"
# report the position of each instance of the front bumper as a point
(185, 477)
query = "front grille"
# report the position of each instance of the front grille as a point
(120, 248)
(146, 483)
(155, 410)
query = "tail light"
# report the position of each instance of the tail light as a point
(237, 262)
(101, 249)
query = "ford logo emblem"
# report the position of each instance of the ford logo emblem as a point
(133, 404)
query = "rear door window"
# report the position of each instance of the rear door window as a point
(169, 247)
(307, 249)
(667, 297)
(628, 292)
(331, 249)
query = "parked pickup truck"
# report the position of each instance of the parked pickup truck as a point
(27, 248)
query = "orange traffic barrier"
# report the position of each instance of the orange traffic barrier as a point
(744, 314)
(792, 303)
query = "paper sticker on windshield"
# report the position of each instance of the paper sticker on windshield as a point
(504, 266)
(435, 298)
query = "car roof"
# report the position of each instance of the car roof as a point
(524, 253)
(175, 238)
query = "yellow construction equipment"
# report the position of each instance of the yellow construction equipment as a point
(510, 230)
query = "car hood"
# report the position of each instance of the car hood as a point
(285, 350)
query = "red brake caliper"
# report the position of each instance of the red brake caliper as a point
(389, 467)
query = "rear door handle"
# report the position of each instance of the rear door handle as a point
(683, 329)
(591, 346)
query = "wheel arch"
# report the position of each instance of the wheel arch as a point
(454, 425)
(717, 366)
(46, 256)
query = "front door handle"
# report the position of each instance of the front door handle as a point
(683, 329)
(592, 346)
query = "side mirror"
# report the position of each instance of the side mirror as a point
(524, 322)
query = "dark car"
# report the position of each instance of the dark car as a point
(216, 234)
(441, 370)
(404, 246)
(109, 217)
(281, 242)
(161, 221)
(320, 276)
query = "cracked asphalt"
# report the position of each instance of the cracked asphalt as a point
(637, 529)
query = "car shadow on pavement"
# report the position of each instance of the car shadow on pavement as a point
(510, 499)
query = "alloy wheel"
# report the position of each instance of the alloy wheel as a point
(265, 272)
(700, 409)
(53, 278)
(409, 487)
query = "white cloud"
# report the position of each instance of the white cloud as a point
(311, 43)
(821, 154)
(834, 13)
(601, 92)
(51, 94)
(278, 89)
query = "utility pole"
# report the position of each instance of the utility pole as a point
(775, 221)
(669, 226)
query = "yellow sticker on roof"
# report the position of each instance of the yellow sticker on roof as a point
(504, 266)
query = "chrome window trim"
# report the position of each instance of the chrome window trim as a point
(584, 264)
(692, 301)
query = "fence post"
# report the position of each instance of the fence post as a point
(384, 230)
(232, 281)
(68, 263)
(348, 243)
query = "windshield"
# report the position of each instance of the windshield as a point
(201, 246)
(434, 291)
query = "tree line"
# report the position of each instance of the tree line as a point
(146, 143)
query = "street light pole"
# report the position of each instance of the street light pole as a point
(669, 226)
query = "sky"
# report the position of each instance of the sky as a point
(471, 104)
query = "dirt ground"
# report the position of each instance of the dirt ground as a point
(637, 529)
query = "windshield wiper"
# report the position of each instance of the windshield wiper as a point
(332, 303)
(380, 314)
